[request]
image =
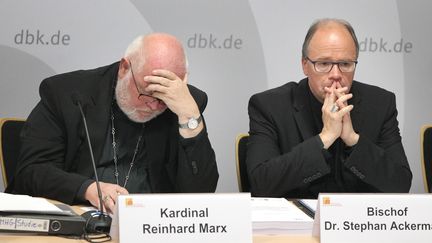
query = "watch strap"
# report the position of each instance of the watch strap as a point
(186, 125)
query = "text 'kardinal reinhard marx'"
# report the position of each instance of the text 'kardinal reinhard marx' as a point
(191, 228)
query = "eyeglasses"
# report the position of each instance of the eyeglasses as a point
(326, 66)
(135, 82)
(136, 85)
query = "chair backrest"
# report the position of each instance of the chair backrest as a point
(242, 175)
(10, 145)
(426, 155)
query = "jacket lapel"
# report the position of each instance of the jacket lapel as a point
(356, 113)
(98, 111)
(303, 115)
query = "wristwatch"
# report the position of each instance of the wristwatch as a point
(192, 123)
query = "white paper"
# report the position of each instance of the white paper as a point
(277, 215)
(27, 204)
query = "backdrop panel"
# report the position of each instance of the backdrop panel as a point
(235, 49)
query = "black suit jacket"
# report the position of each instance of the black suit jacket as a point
(55, 158)
(285, 157)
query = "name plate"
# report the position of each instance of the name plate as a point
(200, 217)
(374, 218)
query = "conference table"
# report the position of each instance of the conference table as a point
(19, 238)
(32, 238)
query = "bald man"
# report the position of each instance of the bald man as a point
(145, 123)
(327, 132)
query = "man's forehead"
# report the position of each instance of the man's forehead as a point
(165, 53)
(337, 40)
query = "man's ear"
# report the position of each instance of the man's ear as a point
(123, 68)
(304, 63)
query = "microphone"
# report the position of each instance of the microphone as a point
(96, 220)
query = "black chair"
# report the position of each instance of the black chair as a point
(241, 149)
(10, 145)
(426, 155)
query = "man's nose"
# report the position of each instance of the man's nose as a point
(335, 72)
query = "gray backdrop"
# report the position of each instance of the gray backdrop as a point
(235, 49)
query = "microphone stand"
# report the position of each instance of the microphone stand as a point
(96, 221)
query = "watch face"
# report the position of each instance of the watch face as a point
(192, 123)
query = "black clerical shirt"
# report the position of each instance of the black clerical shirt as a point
(126, 136)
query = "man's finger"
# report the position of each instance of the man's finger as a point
(186, 78)
(165, 74)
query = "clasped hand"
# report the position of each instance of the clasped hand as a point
(337, 122)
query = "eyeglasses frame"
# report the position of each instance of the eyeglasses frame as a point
(333, 63)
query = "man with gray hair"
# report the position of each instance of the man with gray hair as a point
(145, 123)
(326, 133)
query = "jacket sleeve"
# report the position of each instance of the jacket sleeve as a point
(273, 172)
(381, 161)
(197, 169)
(41, 170)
